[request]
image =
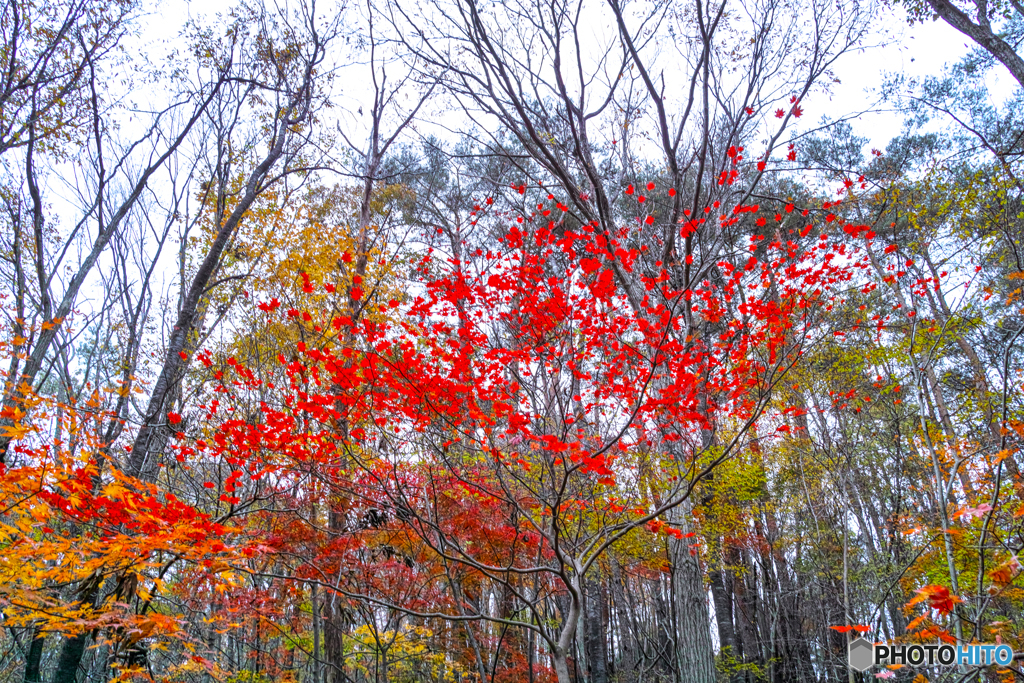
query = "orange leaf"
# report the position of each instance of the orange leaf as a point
(1004, 573)
(935, 632)
(916, 622)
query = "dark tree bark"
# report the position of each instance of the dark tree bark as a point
(73, 648)
(627, 662)
(34, 657)
(722, 599)
(595, 638)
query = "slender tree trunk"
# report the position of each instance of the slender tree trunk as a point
(571, 613)
(796, 664)
(627, 660)
(941, 310)
(155, 431)
(314, 601)
(723, 611)
(336, 619)
(595, 641)
(663, 628)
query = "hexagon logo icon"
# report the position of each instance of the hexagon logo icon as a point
(862, 653)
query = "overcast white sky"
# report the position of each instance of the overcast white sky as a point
(917, 51)
(898, 48)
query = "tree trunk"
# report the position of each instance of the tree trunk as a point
(981, 33)
(695, 656)
(791, 646)
(34, 657)
(745, 602)
(314, 603)
(336, 618)
(155, 431)
(561, 667)
(567, 637)
(73, 649)
(595, 640)
(723, 610)
(627, 661)
(70, 658)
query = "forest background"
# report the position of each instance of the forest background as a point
(550, 341)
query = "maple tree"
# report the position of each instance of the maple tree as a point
(507, 388)
(501, 388)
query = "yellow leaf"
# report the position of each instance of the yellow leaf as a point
(16, 432)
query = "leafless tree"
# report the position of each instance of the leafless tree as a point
(52, 257)
(263, 131)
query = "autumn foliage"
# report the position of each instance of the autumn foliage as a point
(508, 420)
(657, 380)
